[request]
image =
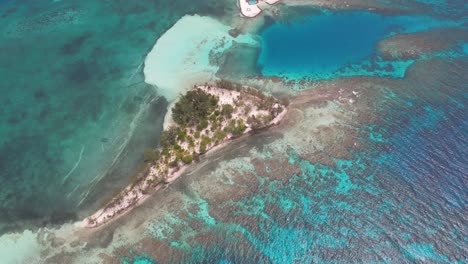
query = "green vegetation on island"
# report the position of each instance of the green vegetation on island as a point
(202, 121)
(203, 118)
(194, 108)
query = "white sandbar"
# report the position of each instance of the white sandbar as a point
(181, 57)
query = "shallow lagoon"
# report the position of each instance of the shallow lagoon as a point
(75, 113)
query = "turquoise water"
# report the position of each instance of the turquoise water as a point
(72, 84)
(75, 113)
(336, 44)
(402, 199)
(138, 260)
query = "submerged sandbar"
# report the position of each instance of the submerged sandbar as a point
(183, 55)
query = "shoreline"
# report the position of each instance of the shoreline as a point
(136, 193)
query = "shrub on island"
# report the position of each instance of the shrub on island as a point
(220, 135)
(187, 159)
(202, 125)
(236, 128)
(169, 137)
(225, 84)
(227, 110)
(202, 148)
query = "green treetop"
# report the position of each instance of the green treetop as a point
(194, 107)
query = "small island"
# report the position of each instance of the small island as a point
(204, 118)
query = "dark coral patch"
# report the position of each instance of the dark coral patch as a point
(75, 45)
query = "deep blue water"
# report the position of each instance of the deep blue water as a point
(426, 156)
(401, 200)
(334, 44)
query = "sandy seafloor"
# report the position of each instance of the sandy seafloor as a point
(75, 111)
(368, 167)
